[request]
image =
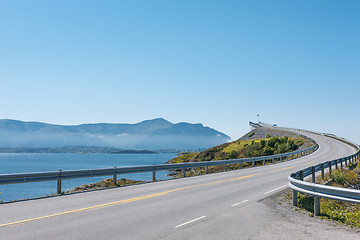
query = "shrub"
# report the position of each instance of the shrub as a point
(268, 151)
(344, 178)
(233, 154)
(272, 142)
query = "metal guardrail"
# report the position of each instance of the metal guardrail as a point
(298, 185)
(72, 174)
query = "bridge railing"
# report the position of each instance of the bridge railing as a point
(60, 175)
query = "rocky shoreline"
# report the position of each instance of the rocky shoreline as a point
(107, 183)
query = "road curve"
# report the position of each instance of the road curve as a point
(215, 206)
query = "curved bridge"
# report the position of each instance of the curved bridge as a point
(217, 206)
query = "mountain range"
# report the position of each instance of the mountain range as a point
(150, 134)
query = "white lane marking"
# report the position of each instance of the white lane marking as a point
(275, 189)
(239, 203)
(196, 219)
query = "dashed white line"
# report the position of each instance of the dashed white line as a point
(275, 189)
(191, 221)
(239, 203)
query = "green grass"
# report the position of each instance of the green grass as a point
(243, 149)
(343, 212)
(235, 150)
(184, 158)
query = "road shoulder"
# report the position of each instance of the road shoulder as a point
(297, 223)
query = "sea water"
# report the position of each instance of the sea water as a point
(42, 162)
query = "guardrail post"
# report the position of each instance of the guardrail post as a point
(225, 165)
(336, 164)
(207, 170)
(115, 177)
(313, 174)
(154, 174)
(322, 171)
(302, 175)
(329, 162)
(346, 162)
(272, 160)
(253, 163)
(295, 197)
(184, 172)
(59, 182)
(341, 163)
(316, 205)
(241, 165)
(264, 162)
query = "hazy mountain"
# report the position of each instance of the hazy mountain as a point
(150, 134)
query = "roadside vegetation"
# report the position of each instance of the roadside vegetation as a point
(343, 212)
(270, 145)
(242, 149)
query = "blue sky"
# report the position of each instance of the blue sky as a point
(296, 63)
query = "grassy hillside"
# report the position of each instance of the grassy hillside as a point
(244, 148)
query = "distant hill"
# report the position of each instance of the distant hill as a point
(150, 134)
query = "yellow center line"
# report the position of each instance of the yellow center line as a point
(275, 170)
(120, 202)
(310, 162)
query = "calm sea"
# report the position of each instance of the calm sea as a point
(40, 162)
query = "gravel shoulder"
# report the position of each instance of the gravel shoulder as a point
(290, 222)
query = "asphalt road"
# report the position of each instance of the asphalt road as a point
(215, 206)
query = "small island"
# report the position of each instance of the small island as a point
(133, 152)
